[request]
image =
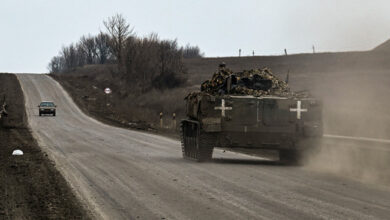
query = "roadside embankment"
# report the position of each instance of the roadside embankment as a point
(30, 186)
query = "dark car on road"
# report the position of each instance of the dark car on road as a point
(47, 107)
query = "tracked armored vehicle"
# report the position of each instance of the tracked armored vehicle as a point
(252, 110)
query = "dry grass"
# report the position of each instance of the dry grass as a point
(86, 86)
(354, 87)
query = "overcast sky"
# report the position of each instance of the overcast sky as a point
(33, 31)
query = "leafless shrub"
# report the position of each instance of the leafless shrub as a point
(70, 57)
(191, 52)
(151, 62)
(56, 64)
(143, 63)
(119, 30)
(88, 48)
(102, 42)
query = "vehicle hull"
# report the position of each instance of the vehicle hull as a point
(290, 125)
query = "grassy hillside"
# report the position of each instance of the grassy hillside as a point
(298, 64)
(383, 47)
(353, 85)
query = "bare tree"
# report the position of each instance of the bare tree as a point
(143, 63)
(119, 31)
(88, 48)
(81, 59)
(170, 57)
(191, 51)
(170, 63)
(70, 57)
(56, 64)
(102, 42)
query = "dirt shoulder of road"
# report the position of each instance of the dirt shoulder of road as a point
(30, 186)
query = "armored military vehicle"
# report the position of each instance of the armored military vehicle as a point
(250, 109)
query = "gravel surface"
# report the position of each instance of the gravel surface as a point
(30, 185)
(125, 174)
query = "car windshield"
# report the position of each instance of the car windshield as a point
(47, 104)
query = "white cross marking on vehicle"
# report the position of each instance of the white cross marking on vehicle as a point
(299, 110)
(223, 108)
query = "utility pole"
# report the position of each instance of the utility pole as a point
(285, 51)
(107, 91)
(174, 121)
(239, 53)
(161, 120)
(253, 53)
(314, 50)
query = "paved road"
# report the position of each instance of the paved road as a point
(123, 174)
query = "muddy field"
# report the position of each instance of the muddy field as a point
(30, 186)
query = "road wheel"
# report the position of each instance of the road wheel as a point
(196, 145)
(54, 114)
(189, 139)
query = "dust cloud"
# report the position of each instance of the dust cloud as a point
(356, 104)
(363, 161)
